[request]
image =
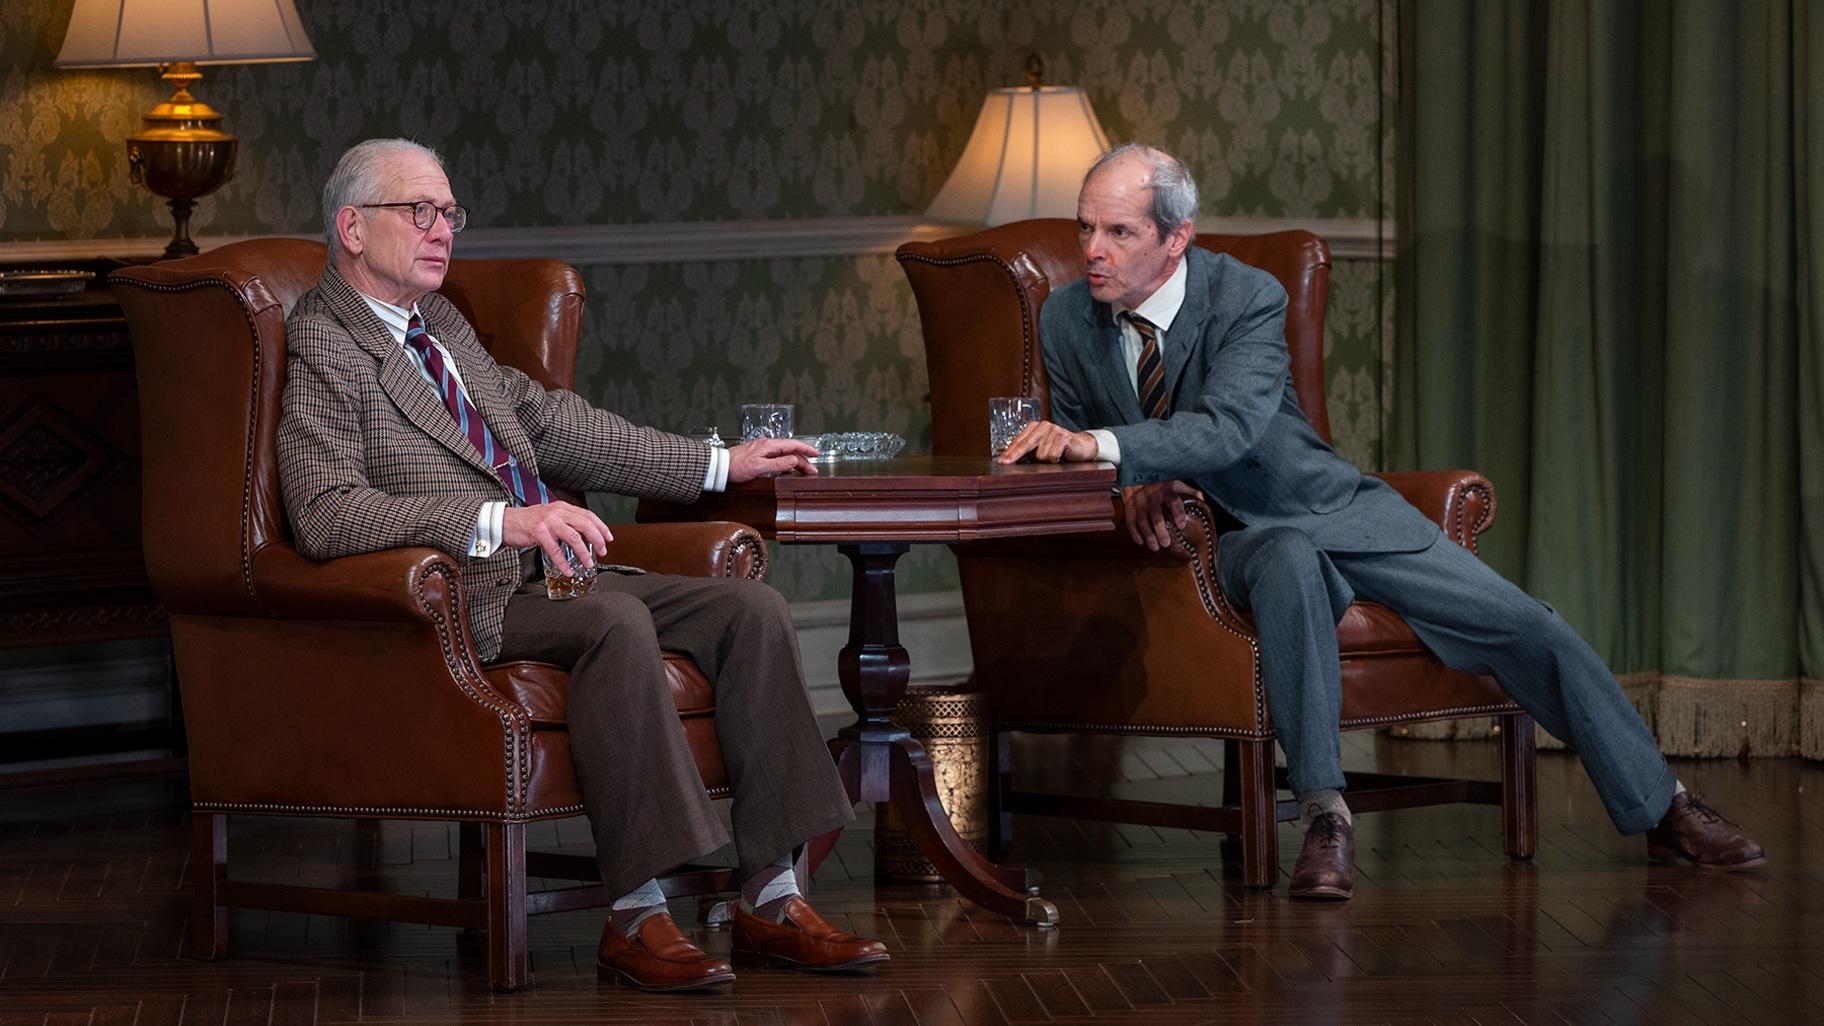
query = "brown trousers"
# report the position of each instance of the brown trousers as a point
(644, 797)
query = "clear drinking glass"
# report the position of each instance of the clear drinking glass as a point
(766, 420)
(1008, 415)
(563, 582)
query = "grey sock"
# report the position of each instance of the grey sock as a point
(1678, 787)
(637, 906)
(767, 891)
(1313, 804)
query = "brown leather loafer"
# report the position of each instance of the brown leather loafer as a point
(803, 941)
(658, 958)
(1695, 831)
(1326, 865)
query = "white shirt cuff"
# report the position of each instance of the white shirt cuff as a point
(1107, 448)
(487, 536)
(715, 479)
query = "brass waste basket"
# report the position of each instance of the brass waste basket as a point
(953, 727)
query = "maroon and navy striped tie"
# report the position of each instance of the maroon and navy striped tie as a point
(1149, 372)
(525, 485)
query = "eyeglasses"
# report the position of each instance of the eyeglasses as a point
(424, 214)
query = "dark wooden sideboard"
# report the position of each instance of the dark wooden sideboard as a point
(71, 570)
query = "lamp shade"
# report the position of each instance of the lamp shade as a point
(1026, 158)
(140, 33)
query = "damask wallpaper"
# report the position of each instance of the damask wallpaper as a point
(571, 112)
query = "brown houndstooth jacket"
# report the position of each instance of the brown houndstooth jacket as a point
(370, 458)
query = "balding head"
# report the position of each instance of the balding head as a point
(1174, 191)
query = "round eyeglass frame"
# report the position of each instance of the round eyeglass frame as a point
(424, 213)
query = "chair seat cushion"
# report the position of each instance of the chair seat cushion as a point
(1368, 628)
(543, 689)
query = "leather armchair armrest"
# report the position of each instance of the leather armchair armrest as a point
(399, 585)
(1461, 501)
(714, 548)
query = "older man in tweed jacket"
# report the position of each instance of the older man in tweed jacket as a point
(398, 429)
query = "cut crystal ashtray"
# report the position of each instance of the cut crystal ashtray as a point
(854, 445)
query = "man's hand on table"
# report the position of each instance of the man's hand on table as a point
(1049, 443)
(769, 457)
(548, 523)
(1151, 507)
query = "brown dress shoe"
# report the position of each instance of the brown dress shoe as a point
(1326, 865)
(1695, 831)
(658, 957)
(803, 941)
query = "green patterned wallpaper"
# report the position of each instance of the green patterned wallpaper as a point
(575, 112)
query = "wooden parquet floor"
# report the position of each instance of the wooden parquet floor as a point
(1156, 928)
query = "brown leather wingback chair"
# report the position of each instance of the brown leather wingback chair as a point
(350, 687)
(1134, 642)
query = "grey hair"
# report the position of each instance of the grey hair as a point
(1174, 190)
(359, 178)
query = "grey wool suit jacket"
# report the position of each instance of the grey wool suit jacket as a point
(370, 458)
(1235, 429)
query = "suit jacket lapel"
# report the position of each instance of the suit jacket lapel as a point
(400, 377)
(1110, 360)
(1187, 327)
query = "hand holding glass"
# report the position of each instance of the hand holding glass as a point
(566, 582)
(1008, 415)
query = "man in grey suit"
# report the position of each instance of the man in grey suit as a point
(398, 429)
(1171, 362)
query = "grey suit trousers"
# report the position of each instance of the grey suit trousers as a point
(641, 789)
(1474, 619)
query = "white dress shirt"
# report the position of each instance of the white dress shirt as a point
(487, 536)
(1161, 308)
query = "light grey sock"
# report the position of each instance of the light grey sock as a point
(637, 906)
(1313, 804)
(1678, 787)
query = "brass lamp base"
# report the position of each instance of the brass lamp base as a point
(181, 153)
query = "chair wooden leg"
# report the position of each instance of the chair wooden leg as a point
(471, 863)
(506, 883)
(1000, 786)
(209, 866)
(1519, 786)
(1230, 845)
(370, 839)
(1259, 822)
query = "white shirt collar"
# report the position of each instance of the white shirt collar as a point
(1162, 306)
(394, 317)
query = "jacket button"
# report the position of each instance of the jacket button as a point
(503, 582)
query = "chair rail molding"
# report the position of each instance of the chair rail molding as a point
(697, 241)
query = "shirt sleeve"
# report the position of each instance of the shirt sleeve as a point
(715, 478)
(489, 523)
(1108, 447)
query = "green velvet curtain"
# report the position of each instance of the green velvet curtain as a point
(1610, 286)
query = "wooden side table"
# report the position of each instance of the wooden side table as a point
(71, 570)
(873, 513)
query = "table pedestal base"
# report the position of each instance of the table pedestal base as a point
(880, 762)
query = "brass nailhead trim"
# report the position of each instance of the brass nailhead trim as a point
(262, 808)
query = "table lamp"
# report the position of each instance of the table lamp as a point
(1026, 156)
(180, 151)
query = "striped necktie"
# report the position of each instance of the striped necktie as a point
(525, 485)
(1149, 371)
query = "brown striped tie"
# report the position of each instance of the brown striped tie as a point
(1149, 371)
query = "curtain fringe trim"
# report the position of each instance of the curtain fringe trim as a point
(1697, 717)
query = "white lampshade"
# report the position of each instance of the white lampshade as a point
(139, 33)
(1026, 158)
